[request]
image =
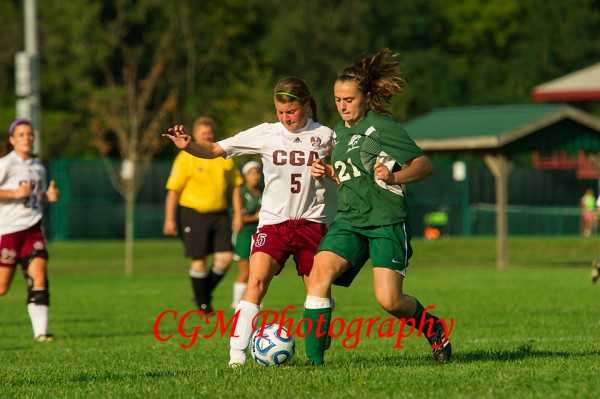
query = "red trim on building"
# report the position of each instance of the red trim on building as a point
(582, 95)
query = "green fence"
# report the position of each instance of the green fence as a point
(540, 202)
(91, 208)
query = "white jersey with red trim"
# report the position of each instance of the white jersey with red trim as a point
(21, 214)
(290, 190)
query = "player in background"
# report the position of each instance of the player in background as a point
(372, 158)
(589, 218)
(595, 275)
(251, 193)
(292, 217)
(199, 188)
(23, 192)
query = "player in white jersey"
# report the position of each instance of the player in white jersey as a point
(292, 217)
(23, 191)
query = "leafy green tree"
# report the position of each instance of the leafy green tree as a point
(11, 41)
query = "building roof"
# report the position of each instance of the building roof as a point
(490, 127)
(582, 85)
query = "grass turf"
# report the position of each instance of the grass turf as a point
(530, 330)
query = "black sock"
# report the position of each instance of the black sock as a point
(201, 286)
(215, 276)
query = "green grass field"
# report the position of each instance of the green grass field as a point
(531, 330)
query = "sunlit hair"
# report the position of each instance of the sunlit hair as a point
(204, 121)
(378, 75)
(293, 89)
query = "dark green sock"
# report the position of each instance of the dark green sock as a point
(424, 321)
(315, 346)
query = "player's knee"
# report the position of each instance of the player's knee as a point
(396, 305)
(223, 260)
(26, 261)
(38, 296)
(320, 279)
(389, 303)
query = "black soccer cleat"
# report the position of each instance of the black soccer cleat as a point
(440, 345)
(205, 307)
(595, 270)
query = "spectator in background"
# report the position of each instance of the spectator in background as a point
(199, 187)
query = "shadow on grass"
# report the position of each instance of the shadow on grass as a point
(95, 376)
(110, 334)
(13, 348)
(524, 351)
(521, 352)
(574, 264)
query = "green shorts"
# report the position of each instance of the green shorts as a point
(243, 242)
(386, 246)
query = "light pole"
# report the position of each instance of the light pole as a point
(27, 74)
(459, 174)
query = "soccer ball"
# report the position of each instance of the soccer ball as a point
(271, 348)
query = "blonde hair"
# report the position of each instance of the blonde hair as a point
(204, 121)
(293, 89)
(378, 75)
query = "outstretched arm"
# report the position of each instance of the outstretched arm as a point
(200, 149)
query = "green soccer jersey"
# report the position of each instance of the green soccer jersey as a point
(251, 204)
(362, 200)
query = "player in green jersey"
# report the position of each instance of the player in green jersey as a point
(251, 192)
(373, 157)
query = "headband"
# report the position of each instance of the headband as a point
(17, 122)
(288, 94)
(250, 165)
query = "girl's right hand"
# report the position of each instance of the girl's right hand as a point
(178, 136)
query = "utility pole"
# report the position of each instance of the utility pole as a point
(27, 74)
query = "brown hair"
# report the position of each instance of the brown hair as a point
(5, 148)
(293, 89)
(379, 75)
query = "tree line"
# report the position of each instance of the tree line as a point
(113, 67)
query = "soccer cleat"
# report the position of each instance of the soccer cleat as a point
(311, 363)
(44, 338)
(205, 307)
(235, 365)
(440, 345)
(595, 270)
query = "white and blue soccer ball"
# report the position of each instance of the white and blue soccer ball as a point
(273, 347)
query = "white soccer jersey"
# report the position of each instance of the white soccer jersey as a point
(19, 215)
(290, 190)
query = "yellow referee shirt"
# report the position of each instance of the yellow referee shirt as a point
(202, 184)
